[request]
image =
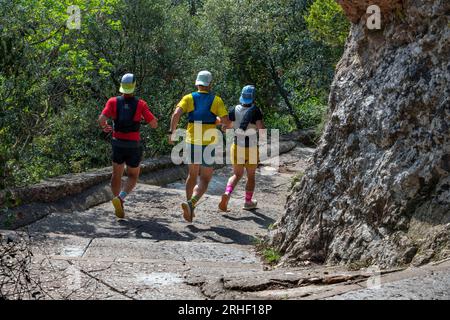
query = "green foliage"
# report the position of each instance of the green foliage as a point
(327, 22)
(54, 81)
(271, 255)
(297, 178)
(272, 49)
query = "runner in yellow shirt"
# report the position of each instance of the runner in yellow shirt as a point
(203, 109)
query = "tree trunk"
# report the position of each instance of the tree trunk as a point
(283, 93)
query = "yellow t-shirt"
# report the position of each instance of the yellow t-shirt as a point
(196, 131)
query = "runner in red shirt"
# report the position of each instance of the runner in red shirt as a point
(127, 112)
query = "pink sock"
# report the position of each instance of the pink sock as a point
(229, 189)
(248, 196)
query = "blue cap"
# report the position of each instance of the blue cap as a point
(248, 95)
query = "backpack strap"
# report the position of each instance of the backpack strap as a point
(119, 105)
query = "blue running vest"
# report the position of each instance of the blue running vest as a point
(202, 108)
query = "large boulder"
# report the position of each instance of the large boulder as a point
(378, 188)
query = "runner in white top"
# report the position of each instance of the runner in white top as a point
(247, 119)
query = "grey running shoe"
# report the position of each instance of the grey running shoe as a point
(250, 205)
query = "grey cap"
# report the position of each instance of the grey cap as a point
(204, 78)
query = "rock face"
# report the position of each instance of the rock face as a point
(355, 9)
(378, 188)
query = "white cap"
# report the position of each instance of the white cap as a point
(204, 79)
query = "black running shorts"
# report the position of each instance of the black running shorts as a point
(128, 153)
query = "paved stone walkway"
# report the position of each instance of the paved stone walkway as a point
(155, 254)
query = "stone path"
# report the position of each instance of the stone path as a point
(429, 285)
(154, 254)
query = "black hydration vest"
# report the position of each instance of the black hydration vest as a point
(126, 109)
(247, 119)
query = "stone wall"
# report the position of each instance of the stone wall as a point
(57, 188)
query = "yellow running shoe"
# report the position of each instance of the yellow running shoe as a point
(118, 206)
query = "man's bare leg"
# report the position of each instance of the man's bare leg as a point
(132, 179)
(199, 190)
(191, 180)
(130, 184)
(116, 186)
(116, 178)
(206, 174)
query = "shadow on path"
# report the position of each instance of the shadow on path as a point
(234, 236)
(257, 217)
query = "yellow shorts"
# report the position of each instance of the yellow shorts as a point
(248, 157)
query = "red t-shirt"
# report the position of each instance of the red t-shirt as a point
(142, 112)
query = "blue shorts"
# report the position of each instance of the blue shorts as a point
(198, 155)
